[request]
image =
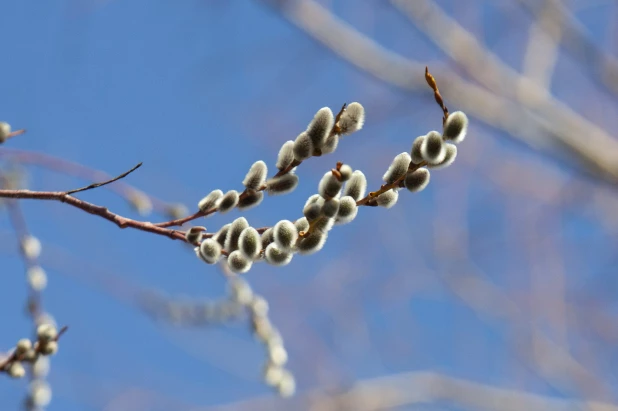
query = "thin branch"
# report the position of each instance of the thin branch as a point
(125, 190)
(94, 209)
(95, 185)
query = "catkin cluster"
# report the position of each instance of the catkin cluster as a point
(35, 353)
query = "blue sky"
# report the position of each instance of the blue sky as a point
(198, 91)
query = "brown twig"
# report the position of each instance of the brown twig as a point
(436, 93)
(94, 209)
(95, 185)
(63, 166)
(15, 133)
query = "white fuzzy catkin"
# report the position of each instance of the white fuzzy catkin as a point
(210, 201)
(286, 387)
(194, 234)
(330, 207)
(37, 278)
(456, 127)
(356, 186)
(449, 158)
(49, 348)
(388, 198)
(303, 147)
(312, 211)
(256, 176)
(320, 127)
(31, 247)
(315, 198)
(221, 235)
(22, 346)
(324, 224)
(46, 332)
(346, 172)
(250, 243)
(312, 243)
(268, 237)
(250, 199)
(282, 185)
(432, 149)
(237, 227)
(415, 153)
(352, 118)
(347, 210)
(228, 201)
(238, 263)
(302, 224)
(286, 155)
(398, 168)
(285, 234)
(40, 394)
(417, 180)
(331, 143)
(5, 130)
(276, 256)
(16, 370)
(329, 186)
(259, 306)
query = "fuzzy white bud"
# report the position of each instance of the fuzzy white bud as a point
(449, 158)
(256, 176)
(276, 256)
(238, 263)
(285, 234)
(303, 147)
(31, 247)
(46, 332)
(415, 153)
(250, 243)
(37, 278)
(398, 168)
(312, 243)
(250, 199)
(346, 172)
(356, 186)
(417, 180)
(210, 201)
(302, 224)
(320, 127)
(347, 210)
(432, 149)
(210, 251)
(331, 143)
(456, 127)
(286, 155)
(228, 201)
(330, 207)
(352, 118)
(329, 186)
(237, 227)
(16, 370)
(282, 185)
(388, 198)
(5, 131)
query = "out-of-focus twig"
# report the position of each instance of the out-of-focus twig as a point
(423, 387)
(578, 43)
